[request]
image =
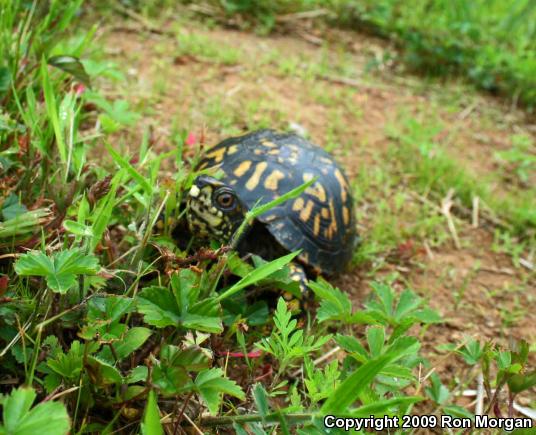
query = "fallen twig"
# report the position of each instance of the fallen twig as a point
(446, 205)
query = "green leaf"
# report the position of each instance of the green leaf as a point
(211, 385)
(151, 424)
(350, 389)
(124, 164)
(334, 304)
(407, 303)
(258, 274)
(52, 111)
(23, 224)
(103, 373)
(77, 228)
(158, 306)
(104, 210)
(73, 66)
(133, 339)
(352, 345)
(48, 418)
(375, 339)
(60, 270)
(11, 208)
(261, 399)
(521, 382)
(437, 391)
(5, 80)
(471, 352)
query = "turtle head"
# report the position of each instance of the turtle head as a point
(214, 209)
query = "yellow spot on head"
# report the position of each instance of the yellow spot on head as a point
(298, 204)
(325, 213)
(272, 181)
(242, 168)
(305, 213)
(194, 191)
(232, 149)
(253, 181)
(217, 154)
(274, 152)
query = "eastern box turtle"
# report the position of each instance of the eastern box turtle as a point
(257, 168)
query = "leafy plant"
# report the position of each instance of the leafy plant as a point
(19, 418)
(59, 270)
(288, 343)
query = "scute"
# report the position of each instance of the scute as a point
(264, 165)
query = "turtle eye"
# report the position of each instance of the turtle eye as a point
(225, 200)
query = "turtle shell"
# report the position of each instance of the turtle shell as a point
(265, 164)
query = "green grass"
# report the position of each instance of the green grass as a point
(490, 43)
(430, 167)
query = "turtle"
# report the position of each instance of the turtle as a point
(256, 168)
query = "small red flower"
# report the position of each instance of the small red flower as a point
(191, 139)
(79, 89)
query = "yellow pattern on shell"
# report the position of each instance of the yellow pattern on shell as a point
(254, 180)
(268, 143)
(346, 215)
(316, 228)
(298, 204)
(242, 168)
(217, 155)
(318, 191)
(342, 183)
(305, 213)
(272, 180)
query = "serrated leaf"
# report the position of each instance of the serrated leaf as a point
(48, 418)
(132, 340)
(375, 340)
(160, 308)
(212, 384)
(102, 372)
(60, 270)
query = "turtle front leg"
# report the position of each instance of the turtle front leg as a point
(297, 273)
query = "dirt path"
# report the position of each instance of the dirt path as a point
(224, 82)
